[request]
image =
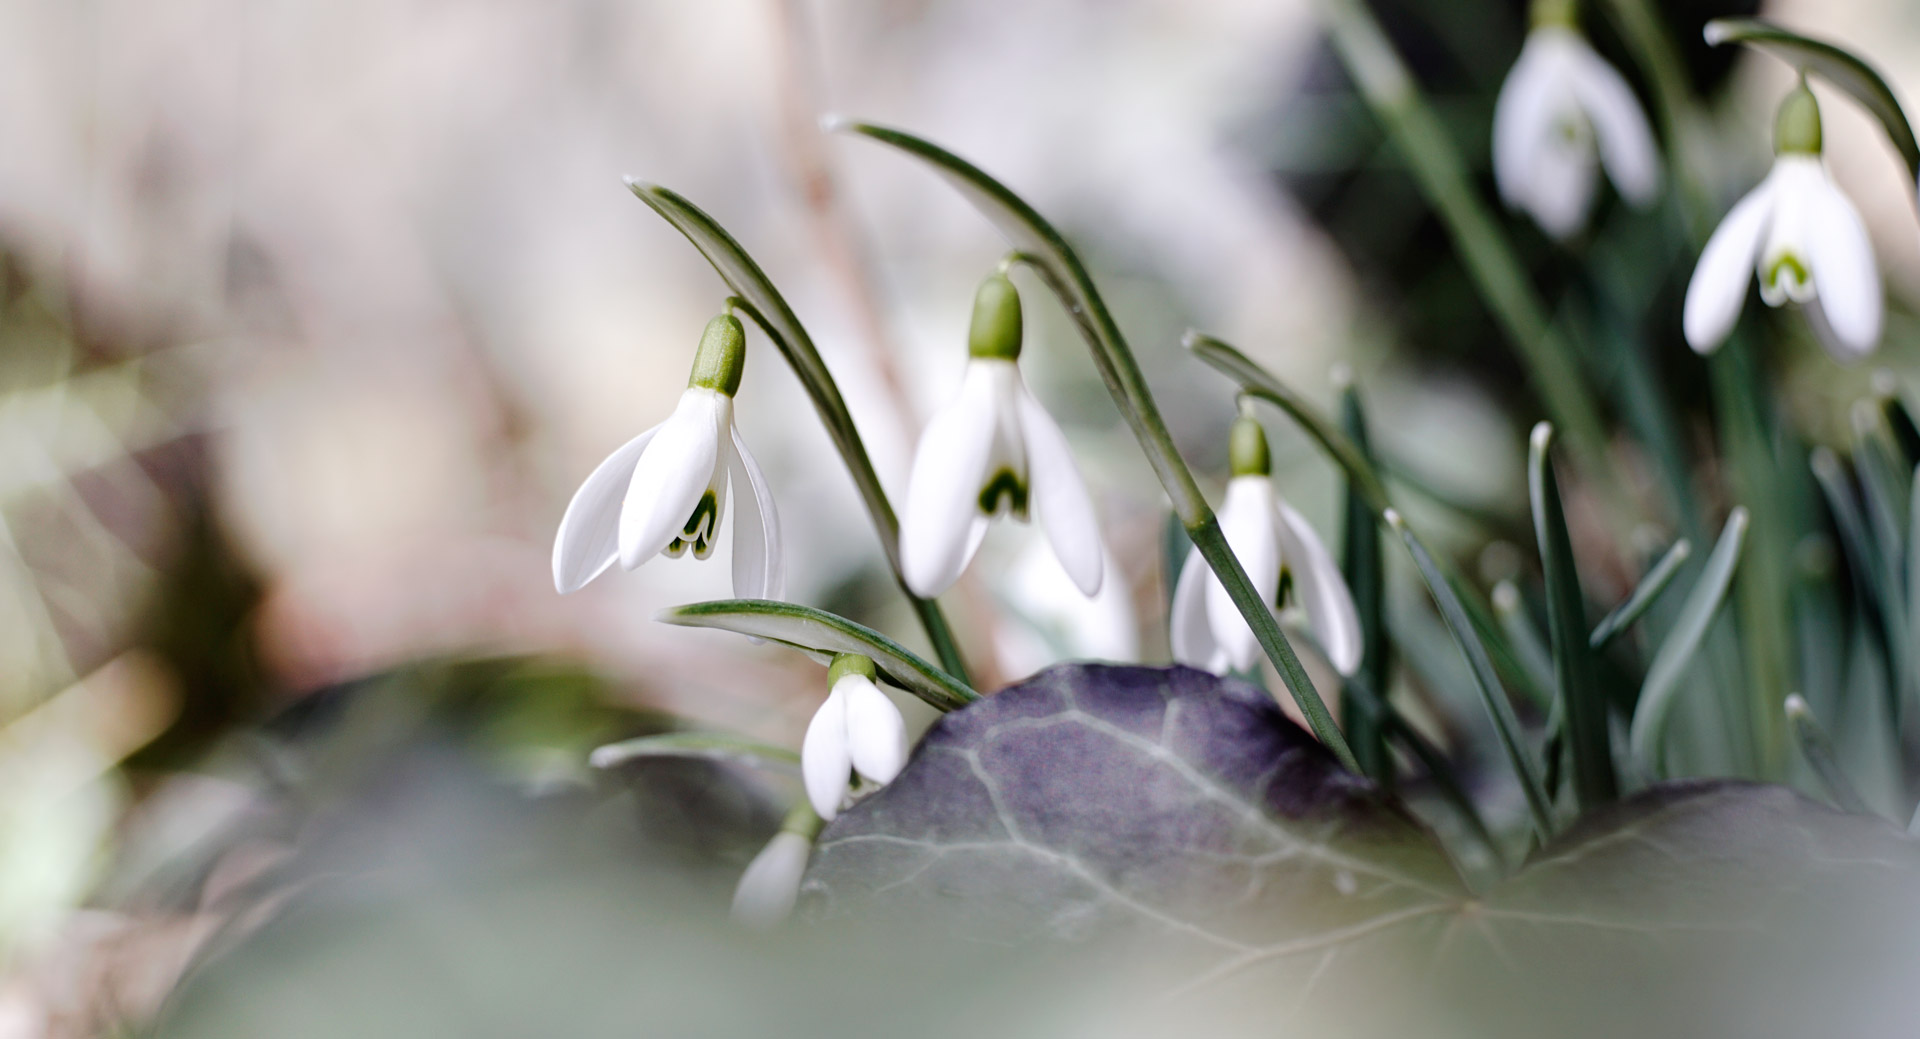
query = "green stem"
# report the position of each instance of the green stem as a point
(1388, 89)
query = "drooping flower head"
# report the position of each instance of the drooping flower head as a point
(994, 452)
(857, 730)
(771, 883)
(665, 491)
(1563, 112)
(1800, 236)
(1276, 546)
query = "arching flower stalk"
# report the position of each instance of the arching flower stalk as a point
(1804, 241)
(665, 491)
(1274, 543)
(1563, 112)
(994, 452)
(857, 731)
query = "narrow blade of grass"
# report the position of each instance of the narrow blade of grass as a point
(1644, 594)
(1584, 709)
(822, 634)
(1492, 696)
(1818, 750)
(1669, 665)
(1361, 564)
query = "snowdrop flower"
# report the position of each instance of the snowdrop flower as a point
(1271, 540)
(1802, 238)
(771, 883)
(857, 730)
(994, 452)
(1560, 104)
(666, 489)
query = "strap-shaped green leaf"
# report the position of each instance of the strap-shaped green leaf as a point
(1643, 596)
(821, 635)
(1505, 725)
(1834, 64)
(1818, 750)
(769, 310)
(709, 746)
(1585, 710)
(1669, 665)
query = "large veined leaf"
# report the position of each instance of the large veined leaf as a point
(1188, 813)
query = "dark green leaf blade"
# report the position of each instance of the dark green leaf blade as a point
(1658, 579)
(824, 634)
(1585, 710)
(1670, 662)
(1492, 696)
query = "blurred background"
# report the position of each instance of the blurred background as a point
(313, 316)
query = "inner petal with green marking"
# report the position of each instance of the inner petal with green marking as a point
(701, 528)
(1004, 492)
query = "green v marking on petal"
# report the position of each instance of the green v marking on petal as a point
(1007, 486)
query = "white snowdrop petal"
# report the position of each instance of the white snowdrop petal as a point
(1321, 590)
(1189, 632)
(673, 472)
(1846, 279)
(1522, 115)
(1561, 184)
(938, 529)
(1718, 288)
(876, 733)
(759, 566)
(1619, 124)
(1246, 518)
(589, 537)
(1059, 498)
(826, 765)
(771, 883)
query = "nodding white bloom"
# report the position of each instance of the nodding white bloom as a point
(771, 883)
(857, 730)
(995, 451)
(1560, 105)
(666, 489)
(1801, 237)
(1271, 540)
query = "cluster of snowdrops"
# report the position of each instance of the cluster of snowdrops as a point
(1563, 116)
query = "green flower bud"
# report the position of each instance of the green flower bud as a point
(1796, 129)
(845, 664)
(1247, 453)
(722, 356)
(1558, 14)
(996, 320)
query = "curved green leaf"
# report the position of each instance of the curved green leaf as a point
(708, 746)
(769, 310)
(1258, 382)
(1818, 750)
(823, 634)
(1670, 662)
(1492, 695)
(1644, 594)
(1834, 64)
